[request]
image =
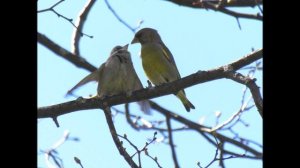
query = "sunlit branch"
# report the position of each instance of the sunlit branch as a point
(168, 88)
(81, 20)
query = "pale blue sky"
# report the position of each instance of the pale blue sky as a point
(198, 40)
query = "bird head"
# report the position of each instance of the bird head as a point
(119, 49)
(146, 35)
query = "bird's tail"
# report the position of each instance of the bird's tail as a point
(187, 104)
(145, 107)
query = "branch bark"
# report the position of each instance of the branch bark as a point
(221, 5)
(117, 141)
(75, 59)
(254, 89)
(236, 3)
(81, 20)
(165, 89)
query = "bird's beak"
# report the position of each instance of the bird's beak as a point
(135, 40)
(125, 47)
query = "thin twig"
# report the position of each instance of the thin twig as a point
(219, 147)
(139, 151)
(120, 19)
(203, 129)
(238, 22)
(216, 153)
(230, 119)
(154, 159)
(52, 153)
(171, 142)
(239, 120)
(45, 10)
(70, 20)
(78, 161)
(127, 115)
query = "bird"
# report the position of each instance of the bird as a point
(158, 62)
(116, 76)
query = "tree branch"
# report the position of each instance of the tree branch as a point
(53, 6)
(117, 141)
(220, 5)
(70, 20)
(204, 130)
(132, 29)
(52, 153)
(171, 142)
(235, 3)
(254, 89)
(144, 149)
(75, 59)
(165, 89)
(230, 119)
(233, 13)
(81, 20)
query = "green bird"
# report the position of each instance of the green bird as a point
(158, 62)
(117, 75)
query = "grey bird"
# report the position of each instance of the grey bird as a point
(117, 75)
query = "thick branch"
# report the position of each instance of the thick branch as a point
(221, 5)
(236, 3)
(75, 59)
(235, 14)
(165, 89)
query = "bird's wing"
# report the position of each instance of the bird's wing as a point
(94, 76)
(167, 53)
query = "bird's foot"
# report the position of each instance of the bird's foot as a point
(149, 85)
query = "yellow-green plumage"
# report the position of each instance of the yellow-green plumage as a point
(158, 62)
(156, 66)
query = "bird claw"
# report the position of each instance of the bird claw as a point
(149, 85)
